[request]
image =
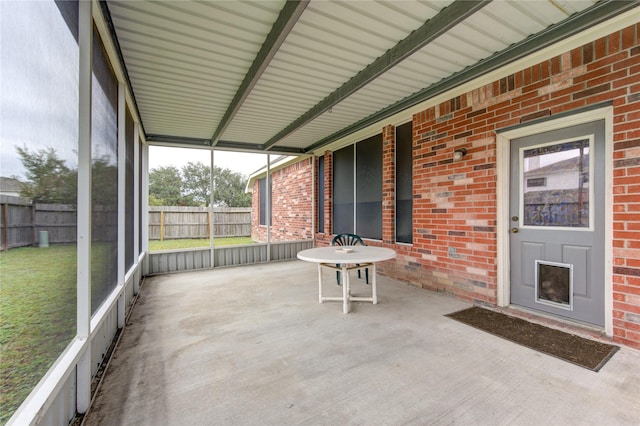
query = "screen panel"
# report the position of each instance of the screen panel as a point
(343, 202)
(129, 190)
(321, 194)
(369, 188)
(104, 177)
(404, 183)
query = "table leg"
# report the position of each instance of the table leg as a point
(345, 290)
(320, 283)
(374, 290)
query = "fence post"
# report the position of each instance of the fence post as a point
(5, 222)
(161, 225)
(34, 215)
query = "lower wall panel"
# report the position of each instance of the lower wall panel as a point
(289, 249)
(190, 260)
(62, 406)
(178, 261)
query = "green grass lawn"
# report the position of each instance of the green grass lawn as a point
(38, 308)
(37, 317)
(194, 243)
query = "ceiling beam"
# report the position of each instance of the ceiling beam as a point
(446, 19)
(581, 21)
(185, 142)
(177, 140)
(288, 17)
(257, 148)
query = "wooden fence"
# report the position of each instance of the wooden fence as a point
(166, 223)
(21, 222)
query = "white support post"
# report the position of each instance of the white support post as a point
(83, 277)
(136, 201)
(144, 208)
(269, 208)
(122, 185)
(211, 215)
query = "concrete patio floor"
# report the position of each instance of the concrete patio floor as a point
(252, 346)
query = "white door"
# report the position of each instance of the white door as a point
(557, 222)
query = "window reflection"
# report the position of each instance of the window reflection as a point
(556, 185)
(38, 164)
(104, 177)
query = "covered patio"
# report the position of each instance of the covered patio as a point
(421, 126)
(251, 345)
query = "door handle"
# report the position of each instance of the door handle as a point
(514, 230)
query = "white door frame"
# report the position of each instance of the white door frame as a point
(503, 151)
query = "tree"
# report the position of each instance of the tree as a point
(195, 184)
(49, 180)
(165, 184)
(190, 186)
(230, 189)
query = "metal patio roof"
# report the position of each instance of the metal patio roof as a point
(293, 76)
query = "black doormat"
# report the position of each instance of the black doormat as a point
(577, 350)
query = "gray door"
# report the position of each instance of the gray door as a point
(557, 222)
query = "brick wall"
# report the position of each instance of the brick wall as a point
(454, 246)
(292, 192)
(388, 184)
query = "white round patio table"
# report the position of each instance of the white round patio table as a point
(348, 257)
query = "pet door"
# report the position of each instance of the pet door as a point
(554, 284)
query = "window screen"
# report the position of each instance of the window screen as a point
(39, 77)
(343, 190)
(104, 177)
(263, 201)
(404, 184)
(369, 188)
(321, 194)
(129, 191)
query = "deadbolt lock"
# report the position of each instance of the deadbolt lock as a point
(515, 218)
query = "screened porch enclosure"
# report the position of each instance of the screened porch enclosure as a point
(388, 120)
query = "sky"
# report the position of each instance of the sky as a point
(241, 162)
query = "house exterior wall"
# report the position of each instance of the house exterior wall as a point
(454, 246)
(291, 212)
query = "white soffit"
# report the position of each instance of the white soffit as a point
(186, 60)
(330, 44)
(490, 30)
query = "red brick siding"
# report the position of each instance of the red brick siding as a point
(454, 214)
(292, 193)
(388, 184)
(454, 206)
(455, 203)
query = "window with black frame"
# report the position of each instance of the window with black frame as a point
(321, 194)
(404, 183)
(263, 201)
(357, 189)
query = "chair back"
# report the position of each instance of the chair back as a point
(347, 240)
